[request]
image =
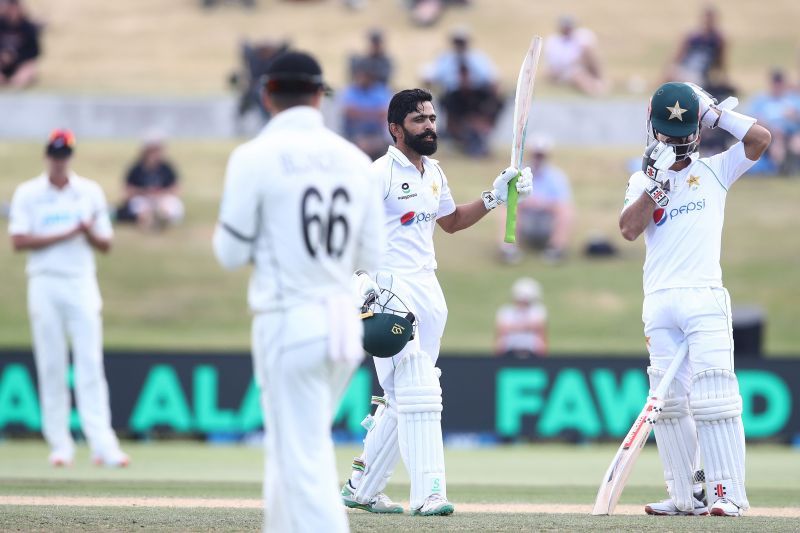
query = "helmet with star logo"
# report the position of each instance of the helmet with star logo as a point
(674, 117)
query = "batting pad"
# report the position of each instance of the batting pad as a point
(381, 452)
(717, 409)
(419, 408)
(676, 440)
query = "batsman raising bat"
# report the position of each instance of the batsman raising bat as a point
(678, 202)
(408, 421)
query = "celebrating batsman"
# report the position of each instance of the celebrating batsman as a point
(678, 202)
(416, 197)
(299, 205)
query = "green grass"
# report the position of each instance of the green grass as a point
(513, 474)
(166, 291)
(146, 46)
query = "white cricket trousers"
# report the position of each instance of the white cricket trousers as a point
(61, 307)
(702, 315)
(301, 387)
(423, 296)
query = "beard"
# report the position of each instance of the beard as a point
(421, 143)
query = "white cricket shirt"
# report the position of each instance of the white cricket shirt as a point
(683, 241)
(302, 197)
(39, 208)
(412, 203)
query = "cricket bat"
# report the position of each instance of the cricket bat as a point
(522, 106)
(621, 467)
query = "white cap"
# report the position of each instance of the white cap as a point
(526, 290)
(540, 144)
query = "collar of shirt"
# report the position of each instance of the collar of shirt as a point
(298, 117)
(403, 161)
(45, 177)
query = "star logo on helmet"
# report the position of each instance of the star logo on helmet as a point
(676, 111)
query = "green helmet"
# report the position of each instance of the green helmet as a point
(388, 324)
(675, 112)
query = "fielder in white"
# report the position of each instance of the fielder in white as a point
(678, 202)
(416, 198)
(298, 205)
(60, 218)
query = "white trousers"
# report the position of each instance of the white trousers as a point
(301, 387)
(702, 316)
(423, 296)
(61, 307)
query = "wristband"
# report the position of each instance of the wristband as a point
(658, 195)
(490, 201)
(735, 123)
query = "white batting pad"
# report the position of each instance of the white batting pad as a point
(381, 452)
(419, 408)
(717, 409)
(676, 440)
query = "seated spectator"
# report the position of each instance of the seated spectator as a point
(779, 111)
(151, 190)
(572, 59)
(375, 61)
(544, 219)
(468, 83)
(364, 105)
(701, 52)
(521, 327)
(471, 114)
(19, 46)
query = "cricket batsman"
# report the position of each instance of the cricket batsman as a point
(299, 205)
(678, 202)
(416, 197)
(60, 219)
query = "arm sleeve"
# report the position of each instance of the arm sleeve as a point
(237, 228)
(102, 222)
(729, 165)
(446, 203)
(634, 190)
(19, 218)
(371, 243)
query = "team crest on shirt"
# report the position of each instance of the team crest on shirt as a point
(693, 182)
(435, 189)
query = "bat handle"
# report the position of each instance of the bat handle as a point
(511, 211)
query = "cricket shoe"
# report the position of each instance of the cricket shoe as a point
(434, 505)
(114, 459)
(667, 507)
(59, 459)
(380, 504)
(725, 507)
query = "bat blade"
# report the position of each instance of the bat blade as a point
(522, 105)
(628, 452)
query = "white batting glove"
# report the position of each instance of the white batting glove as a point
(525, 183)
(362, 286)
(500, 183)
(709, 116)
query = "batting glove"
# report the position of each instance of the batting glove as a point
(709, 116)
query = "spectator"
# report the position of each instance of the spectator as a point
(779, 111)
(521, 327)
(701, 53)
(375, 61)
(256, 57)
(364, 104)
(544, 219)
(572, 58)
(19, 46)
(467, 81)
(151, 190)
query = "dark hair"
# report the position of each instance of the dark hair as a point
(284, 101)
(406, 102)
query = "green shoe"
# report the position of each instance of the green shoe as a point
(380, 504)
(435, 505)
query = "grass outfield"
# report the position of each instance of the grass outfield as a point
(538, 474)
(167, 290)
(147, 46)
